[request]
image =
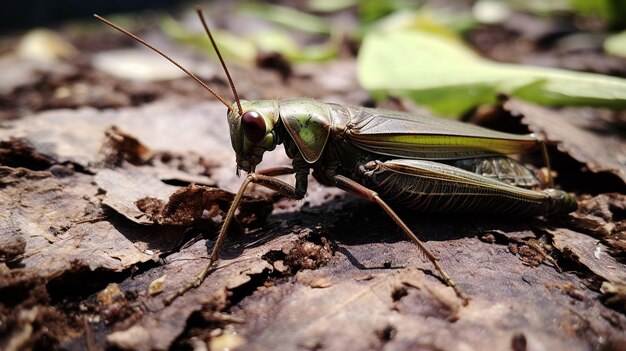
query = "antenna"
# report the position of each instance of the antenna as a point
(203, 84)
(219, 55)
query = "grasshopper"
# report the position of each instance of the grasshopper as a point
(419, 163)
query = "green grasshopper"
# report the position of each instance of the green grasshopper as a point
(420, 163)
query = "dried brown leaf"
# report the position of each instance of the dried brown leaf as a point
(78, 136)
(602, 217)
(144, 199)
(125, 187)
(590, 252)
(165, 323)
(596, 143)
(63, 228)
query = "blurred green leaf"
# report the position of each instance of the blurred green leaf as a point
(328, 6)
(246, 49)
(281, 42)
(426, 19)
(440, 21)
(614, 11)
(232, 47)
(288, 17)
(372, 10)
(616, 44)
(442, 73)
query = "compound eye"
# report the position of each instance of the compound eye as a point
(253, 126)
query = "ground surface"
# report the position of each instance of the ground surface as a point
(112, 191)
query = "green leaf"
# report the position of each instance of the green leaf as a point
(444, 74)
(616, 44)
(283, 43)
(245, 49)
(614, 11)
(288, 17)
(372, 10)
(232, 47)
(329, 6)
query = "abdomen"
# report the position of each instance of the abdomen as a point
(428, 186)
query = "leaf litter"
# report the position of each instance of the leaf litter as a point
(266, 272)
(595, 142)
(106, 213)
(65, 218)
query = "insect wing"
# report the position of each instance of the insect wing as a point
(406, 135)
(433, 186)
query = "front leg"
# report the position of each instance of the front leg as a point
(275, 184)
(301, 170)
(278, 185)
